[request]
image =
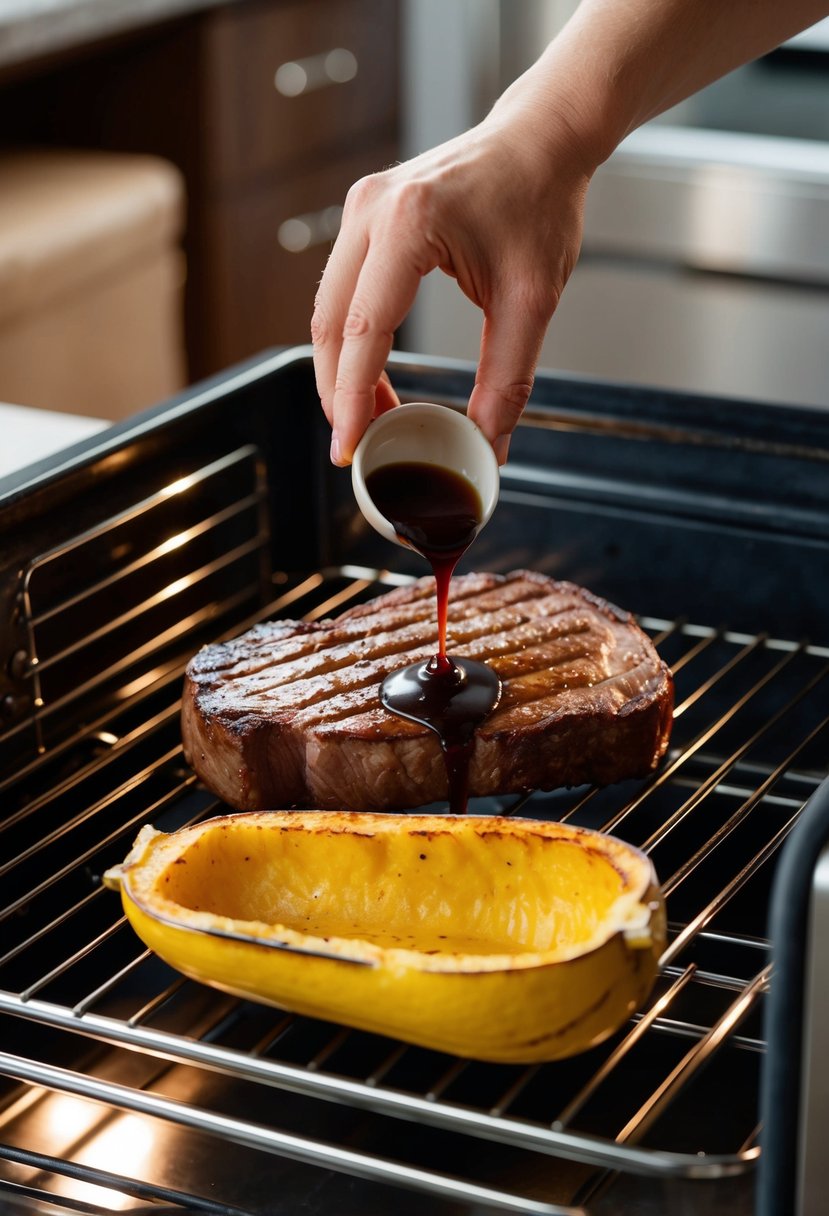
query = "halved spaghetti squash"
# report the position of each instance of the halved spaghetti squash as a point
(499, 939)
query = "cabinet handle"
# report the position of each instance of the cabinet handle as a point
(298, 76)
(301, 232)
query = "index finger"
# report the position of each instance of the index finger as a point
(386, 287)
(334, 294)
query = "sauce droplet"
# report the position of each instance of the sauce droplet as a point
(437, 512)
(452, 697)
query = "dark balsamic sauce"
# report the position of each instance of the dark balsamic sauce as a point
(451, 697)
(438, 513)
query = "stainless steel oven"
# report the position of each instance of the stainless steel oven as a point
(705, 259)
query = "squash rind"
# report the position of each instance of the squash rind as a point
(525, 1006)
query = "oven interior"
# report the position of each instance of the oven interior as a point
(125, 1087)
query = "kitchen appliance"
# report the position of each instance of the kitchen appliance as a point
(126, 1087)
(704, 261)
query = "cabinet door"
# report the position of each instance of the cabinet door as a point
(291, 82)
(262, 274)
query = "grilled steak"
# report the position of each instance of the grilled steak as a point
(289, 715)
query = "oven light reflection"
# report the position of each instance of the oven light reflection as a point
(174, 542)
(142, 682)
(121, 1144)
(179, 584)
(180, 486)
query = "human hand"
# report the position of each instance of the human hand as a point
(500, 210)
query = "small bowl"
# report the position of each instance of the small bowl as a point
(432, 434)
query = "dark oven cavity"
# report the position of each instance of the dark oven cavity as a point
(124, 1086)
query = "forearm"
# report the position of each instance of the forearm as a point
(618, 63)
(500, 209)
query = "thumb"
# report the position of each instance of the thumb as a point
(510, 347)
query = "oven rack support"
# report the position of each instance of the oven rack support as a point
(551, 1140)
(621, 1153)
(269, 1139)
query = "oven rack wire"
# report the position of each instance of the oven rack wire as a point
(750, 723)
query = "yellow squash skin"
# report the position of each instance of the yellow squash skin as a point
(508, 940)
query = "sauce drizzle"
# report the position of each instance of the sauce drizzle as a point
(437, 512)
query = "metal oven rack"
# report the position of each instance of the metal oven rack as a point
(125, 1085)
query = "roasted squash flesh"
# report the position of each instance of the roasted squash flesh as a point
(502, 939)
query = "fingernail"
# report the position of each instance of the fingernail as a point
(335, 449)
(501, 448)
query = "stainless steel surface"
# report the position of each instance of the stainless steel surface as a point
(705, 266)
(814, 1118)
(715, 200)
(705, 259)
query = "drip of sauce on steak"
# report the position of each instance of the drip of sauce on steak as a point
(288, 713)
(437, 512)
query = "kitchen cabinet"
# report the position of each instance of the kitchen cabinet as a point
(271, 109)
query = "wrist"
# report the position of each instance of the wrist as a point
(554, 114)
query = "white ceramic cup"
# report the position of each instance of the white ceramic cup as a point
(432, 434)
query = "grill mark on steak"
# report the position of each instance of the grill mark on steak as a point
(461, 608)
(309, 682)
(356, 698)
(294, 717)
(360, 713)
(339, 654)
